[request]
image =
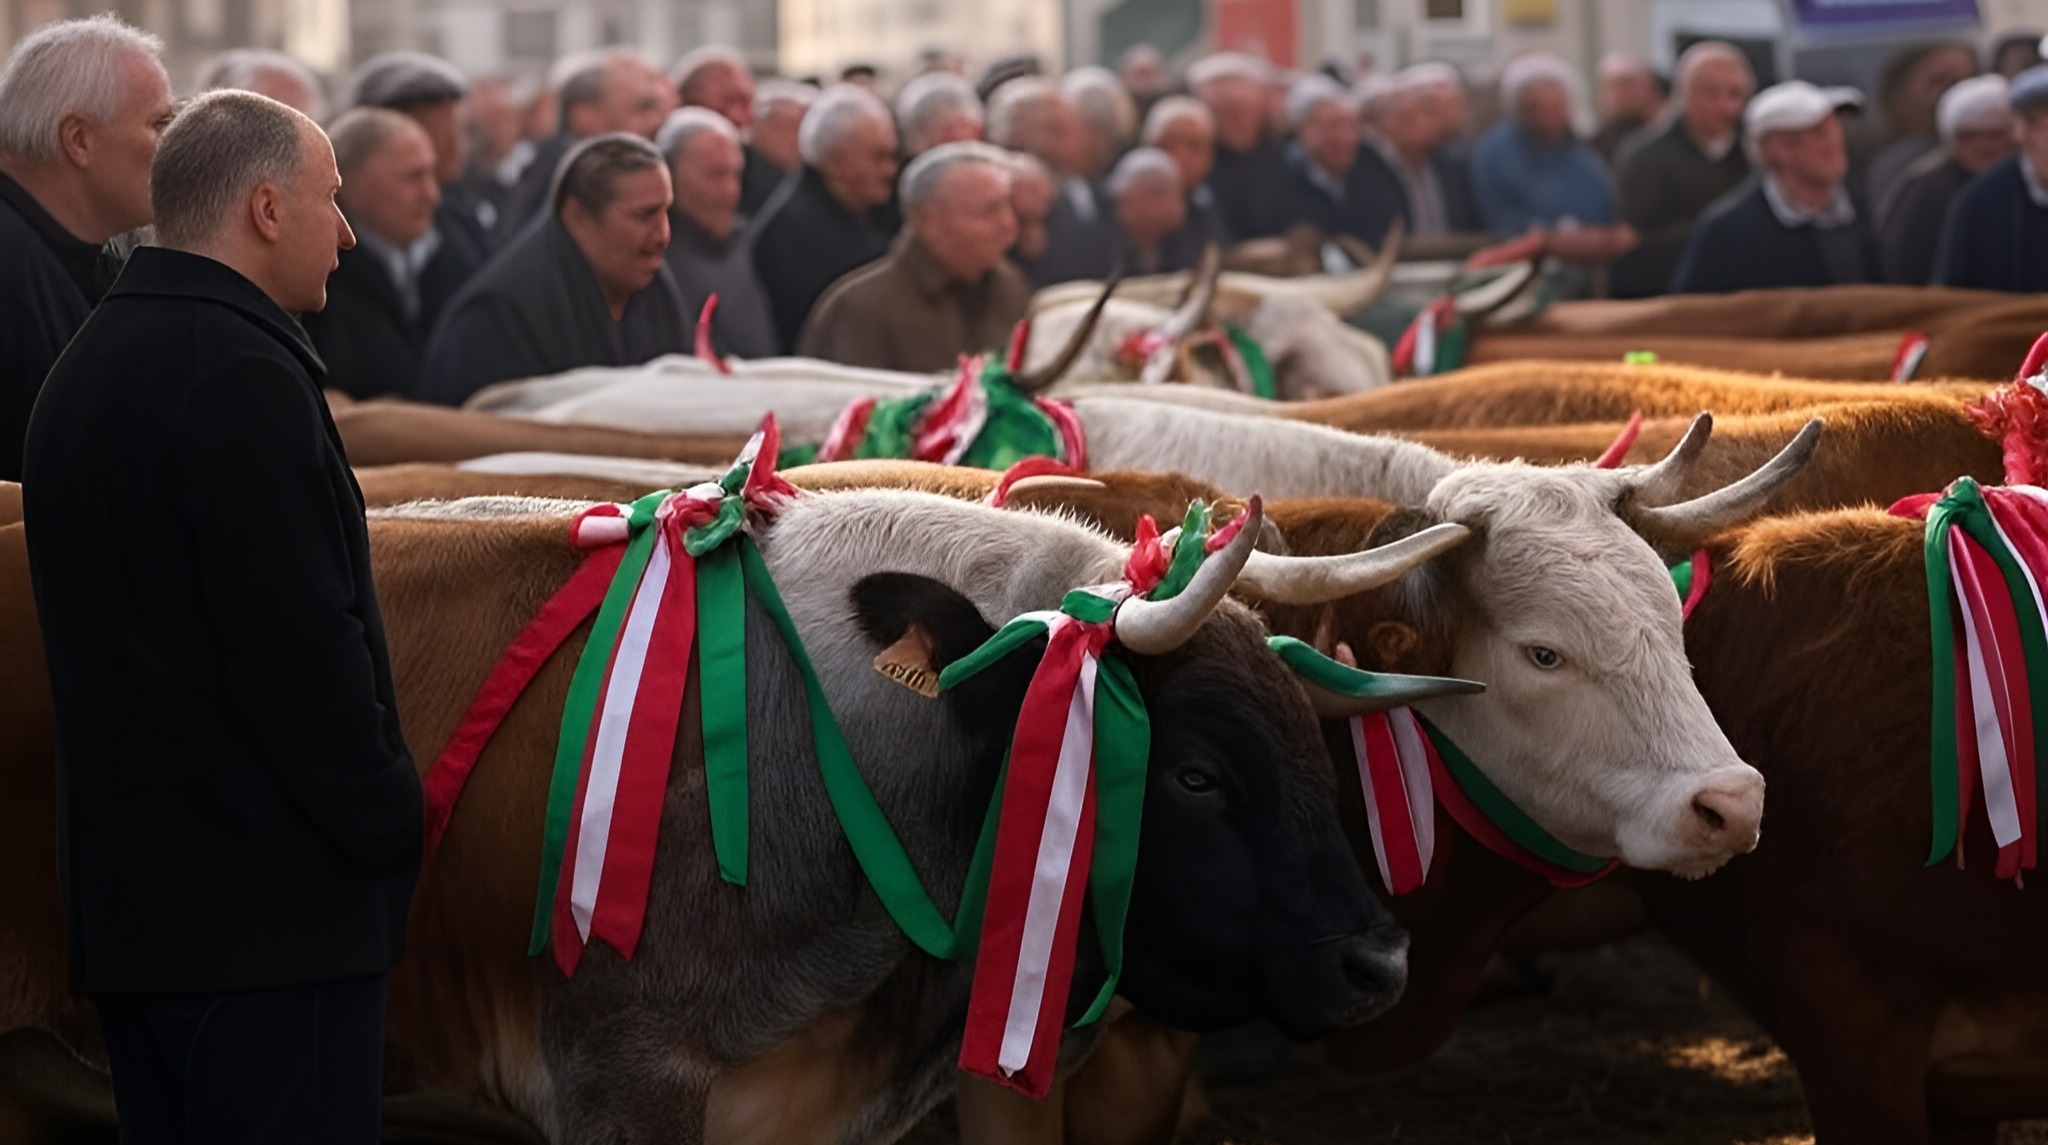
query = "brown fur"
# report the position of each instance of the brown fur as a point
(390, 432)
(1845, 357)
(1792, 313)
(1562, 393)
(10, 502)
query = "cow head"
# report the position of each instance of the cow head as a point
(1246, 900)
(1591, 722)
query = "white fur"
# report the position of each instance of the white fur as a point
(652, 474)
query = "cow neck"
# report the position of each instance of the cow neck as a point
(1408, 768)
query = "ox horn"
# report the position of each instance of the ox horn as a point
(1054, 370)
(1188, 317)
(1660, 483)
(1348, 295)
(1317, 580)
(1483, 300)
(1155, 627)
(1703, 516)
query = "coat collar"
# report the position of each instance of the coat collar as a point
(159, 272)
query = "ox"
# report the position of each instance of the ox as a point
(1794, 312)
(389, 432)
(793, 1010)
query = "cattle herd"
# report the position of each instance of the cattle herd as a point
(1758, 767)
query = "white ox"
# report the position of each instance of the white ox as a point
(1591, 722)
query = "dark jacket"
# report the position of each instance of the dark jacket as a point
(528, 198)
(1078, 245)
(703, 266)
(1370, 202)
(907, 312)
(1910, 221)
(236, 806)
(49, 281)
(365, 335)
(759, 176)
(537, 310)
(1997, 236)
(1663, 181)
(805, 241)
(1251, 189)
(1183, 249)
(1741, 245)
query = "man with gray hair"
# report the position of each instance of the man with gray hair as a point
(709, 251)
(718, 79)
(1530, 173)
(1185, 129)
(1109, 116)
(1976, 128)
(596, 93)
(239, 847)
(779, 110)
(1034, 116)
(1334, 184)
(945, 289)
(282, 77)
(1145, 191)
(1630, 97)
(935, 108)
(81, 105)
(1668, 176)
(585, 286)
(835, 215)
(1250, 173)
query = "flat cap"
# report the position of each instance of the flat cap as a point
(2030, 88)
(1795, 105)
(404, 79)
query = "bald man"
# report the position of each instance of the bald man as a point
(239, 848)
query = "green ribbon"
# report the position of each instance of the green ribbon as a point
(1502, 812)
(1187, 558)
(1257, 367)
(1329, 675)
(1963, 507)
(1015, 427)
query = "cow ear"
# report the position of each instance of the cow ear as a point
(919, 626)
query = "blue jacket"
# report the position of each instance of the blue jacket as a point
(1996, 237)
(1522, 182)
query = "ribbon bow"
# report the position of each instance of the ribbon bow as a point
(680, 581)
(1072, 794)
(981, 419)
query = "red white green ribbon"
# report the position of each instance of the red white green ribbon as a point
(1617, 451)
(678, 585)
(1434, 342)
(981, 419)
(1986, 554)
(706, 351)
(1072, 797)
(1251, 372)
(1912, 351)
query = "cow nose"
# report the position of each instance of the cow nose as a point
(1726, 817)
(1375, 965)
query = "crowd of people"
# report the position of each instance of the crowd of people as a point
(506, 231)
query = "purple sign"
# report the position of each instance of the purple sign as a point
(1877, 16)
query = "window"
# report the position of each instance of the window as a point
(1450, 10)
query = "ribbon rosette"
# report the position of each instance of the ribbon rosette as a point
(1071, 797)
(982, 419)
(680, 579)
(1986, 553)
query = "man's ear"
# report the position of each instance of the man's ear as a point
(266, 211)
(74, 139)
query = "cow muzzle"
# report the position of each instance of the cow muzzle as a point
(1721, 819)
(1340, 981)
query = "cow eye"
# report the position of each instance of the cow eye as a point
(1196, 780)
(1544, 658)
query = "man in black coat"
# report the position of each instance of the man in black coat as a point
(583, 286)
(598, 93)
(1668, 175)
(378, 311)
(1997, 233)
(1794, 224)
(1334, 184)
(1976, 129)
(71, 177)
(835, 216)
(433, 93)
(718, 79)
(239, 843)
(1250, 176)
(1184, 128)
(1032, 115)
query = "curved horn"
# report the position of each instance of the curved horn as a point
(1395, 692)
(1055, 483)
(1317, 580)
(1481, 301)
(1660, 483)
(1052, 371)
(1155, 627)
(1348, 295)
(1186, 318)
(1733, 504)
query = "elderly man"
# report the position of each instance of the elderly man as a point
(1034, 116)
(377, 317)
(1438, 195)
(1334, 184)
(1250, 174)
(81, 104)
(1109, 116)
(935, 108)
(1032, 191)
(837, 215)
(1185, 129)
(584, 287)
(1794, 224)
(281, 77)
(707, 248)
(1151, 209)
(1630, 97)
(1528, 172)
(239, 847)
(1142, 68)
(433, 93)
(779, 110)
(1997, 232)
(945, 289)
(1908, 91)
(1975, 121)
(599, 93)
(1666, 178)
(718, 79)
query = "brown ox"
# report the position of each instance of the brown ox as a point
(395, 432)
(1803, 312)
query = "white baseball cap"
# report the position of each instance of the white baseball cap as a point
(1795, 105)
